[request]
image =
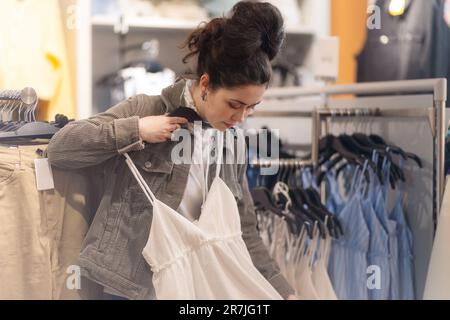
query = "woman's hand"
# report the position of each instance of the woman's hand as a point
(154, 129)
(292, 297)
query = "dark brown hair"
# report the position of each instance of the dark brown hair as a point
(237, 50)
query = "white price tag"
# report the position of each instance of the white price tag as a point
(44, 175)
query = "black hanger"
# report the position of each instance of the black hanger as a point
(32, 130)
(341, 168)
(263, 200)
(366, 153)
(298, 218)
(353, 145)
(298, 205)
(190, 114)
(364, 140)
(10, 126)
(302, 213)
(321, 175)
(381, 150)
(315, 213)
(397, 150)
(350, 143)
(326, 149)
(287, 173)
(380, 141)
(338, 147)
(333, 224)
(302, 217)
(307, 203)
(61, 120)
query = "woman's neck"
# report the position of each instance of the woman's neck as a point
(198, 102)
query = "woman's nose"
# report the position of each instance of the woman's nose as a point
(240, 115)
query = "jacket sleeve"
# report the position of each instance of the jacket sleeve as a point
(92, 141)
(258, 251)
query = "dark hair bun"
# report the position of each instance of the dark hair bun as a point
(202, 39)
(258, 20)
(237, 49)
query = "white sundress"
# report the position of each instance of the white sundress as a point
(207, 259)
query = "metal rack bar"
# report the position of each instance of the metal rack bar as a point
(282, 114)
(436, 86)
(439, 154)
(298, 163)
(27, 95)
(435, 114)
(435, 126)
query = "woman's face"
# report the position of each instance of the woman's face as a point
(225, 108)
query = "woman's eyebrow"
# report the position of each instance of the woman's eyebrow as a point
(244, 102)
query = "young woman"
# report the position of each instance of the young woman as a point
(233, 69)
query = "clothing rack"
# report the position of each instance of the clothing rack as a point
(421, 98)
(27, 95)
(26, 128)
(435, 114)
(321, 114)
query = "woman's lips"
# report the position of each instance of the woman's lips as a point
(229, 125)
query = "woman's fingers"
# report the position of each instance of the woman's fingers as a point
(173, 123)
(173, 127)
(177, 120)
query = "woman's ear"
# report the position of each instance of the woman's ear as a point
(204, 85)
(204, 82)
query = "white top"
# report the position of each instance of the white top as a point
(190, 205)
(191, 202)
(206, 259)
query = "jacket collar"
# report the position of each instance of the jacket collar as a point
(173, 98)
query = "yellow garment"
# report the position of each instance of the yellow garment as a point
(33, 53)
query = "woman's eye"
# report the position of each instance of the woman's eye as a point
(251, 110)
(233, 105)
